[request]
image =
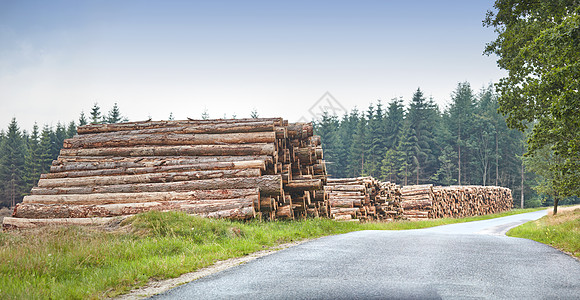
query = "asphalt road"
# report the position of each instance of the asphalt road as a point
(462, 261)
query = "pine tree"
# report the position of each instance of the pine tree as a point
(357, 150)
(71, 130)
(460, 123)
(96, 114)
(46, 152)
(58, 139)
(254, 114)
(423, 117)
(82, 119)
(12, 153)
(205, 114)
(394, 123)
(32, 159)
(114, 115)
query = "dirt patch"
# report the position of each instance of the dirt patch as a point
(5, 212)
(157, 287)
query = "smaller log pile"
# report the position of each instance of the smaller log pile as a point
(420, 202)
(416, 201)
(388, 201)
(466, 201)
(350, 198)
(363, 198)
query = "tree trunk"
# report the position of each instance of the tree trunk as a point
(167, 139)
(203, 126)
(120, 170)
(193, 150)
(522, 187)
(269, 185)
(556, 200)
(141, 197)
(47, 211)
(181, 175)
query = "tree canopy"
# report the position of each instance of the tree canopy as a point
(538, 44)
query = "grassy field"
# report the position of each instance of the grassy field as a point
(78, 262)
(561, 231)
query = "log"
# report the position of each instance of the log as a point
(251, 164)
(149, 161)
(303, 185)
(142, 125)
(46, 211)
(143, 197)
(147, 178)
(166, 139)
(269, 185)
(416, 204)
(177, 127)
(198, 150)
(10, 222)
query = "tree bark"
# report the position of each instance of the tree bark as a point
(269, 185)
(46, 211)
(211, 125)
(167, 139)
(252, 164)
(182, 175)
(140, 197)
(193, 150)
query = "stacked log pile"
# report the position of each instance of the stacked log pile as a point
(467, 201)
(416, 201)
(363, 198)
(227, 168)
(388, 201)
(426, 201)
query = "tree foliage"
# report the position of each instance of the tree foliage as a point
(538, 44)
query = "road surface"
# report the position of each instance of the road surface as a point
(461, 261)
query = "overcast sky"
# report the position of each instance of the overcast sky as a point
(57, 58)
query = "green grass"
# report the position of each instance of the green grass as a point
(79, 262)
(561, 231)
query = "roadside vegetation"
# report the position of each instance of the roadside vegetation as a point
(80, 262)
(561, 231)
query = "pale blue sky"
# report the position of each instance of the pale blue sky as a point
(155, 57)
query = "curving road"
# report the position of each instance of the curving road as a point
(461, 261)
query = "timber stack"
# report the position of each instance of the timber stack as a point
(225, 168)
(363, 198)
(466, 201)
(431, 202)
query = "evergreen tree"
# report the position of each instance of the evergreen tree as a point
(58, 139)
(357, 149)
(96, 114)
(114, 115)
(12, 153)
(374, 141)
(71, 130)
(327, 128)
(423, 117)
(394, 123)
(406, 153)
(46, 146)
(460, 123)
(32, 160)
(82, 119)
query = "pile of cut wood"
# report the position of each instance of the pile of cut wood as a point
(466, 201)
(427, 201)
(362, 198)
(227, 168)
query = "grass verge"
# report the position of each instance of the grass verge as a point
(561, 231)
(79, 262)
